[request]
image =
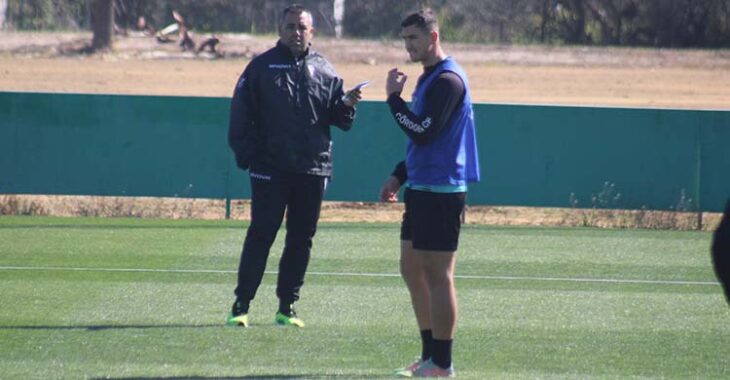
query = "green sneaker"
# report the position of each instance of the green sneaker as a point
(238, 320)
(282, 319)
(238, 315)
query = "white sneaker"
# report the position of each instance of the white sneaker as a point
(408, 370)
(430, 369)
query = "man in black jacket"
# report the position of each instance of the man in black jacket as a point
(721, 252)
(281, 112)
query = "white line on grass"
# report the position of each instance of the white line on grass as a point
(469, 277)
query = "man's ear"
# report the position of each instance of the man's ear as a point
(434, 36)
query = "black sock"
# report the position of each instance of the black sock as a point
(442, 352)
(285, 307)
(426, 344)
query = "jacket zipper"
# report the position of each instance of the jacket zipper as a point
(300, 66)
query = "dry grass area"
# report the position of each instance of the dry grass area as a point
(364, 212)
(623, 77)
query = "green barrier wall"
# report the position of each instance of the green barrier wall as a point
(530, 155)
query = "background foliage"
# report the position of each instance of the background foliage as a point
(659, 23)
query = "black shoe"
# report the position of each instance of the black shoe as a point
(239, 307)
(288, 319)
(238, 315)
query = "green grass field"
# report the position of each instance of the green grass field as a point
(136, 298)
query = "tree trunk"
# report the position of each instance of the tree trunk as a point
(544, 18)
(3, 10)
(102, 20)
(339, 14)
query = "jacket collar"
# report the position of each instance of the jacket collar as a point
(285, 51)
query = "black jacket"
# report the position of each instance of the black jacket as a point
(282, 110)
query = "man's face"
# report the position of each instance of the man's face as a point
(296, 32)
(419, 43)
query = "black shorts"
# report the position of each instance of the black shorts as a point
(432, 221)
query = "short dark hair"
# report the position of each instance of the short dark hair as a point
(296, 9)
(424, 19)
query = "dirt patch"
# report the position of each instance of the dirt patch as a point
(370, 52)
(687, 79)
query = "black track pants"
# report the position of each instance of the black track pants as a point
(300, 195)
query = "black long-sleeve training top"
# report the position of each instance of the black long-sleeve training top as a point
(444, 94)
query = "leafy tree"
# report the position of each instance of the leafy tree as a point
(660, 23)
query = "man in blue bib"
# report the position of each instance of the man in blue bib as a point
(441, 160)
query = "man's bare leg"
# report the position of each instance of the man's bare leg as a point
(439, 271)
(411, 267)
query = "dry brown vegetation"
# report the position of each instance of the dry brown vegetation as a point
(365, 212)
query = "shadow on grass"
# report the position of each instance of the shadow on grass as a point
(108, 327)
(262, 377)
(124, 226)
(139, 327)
(219, 225)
